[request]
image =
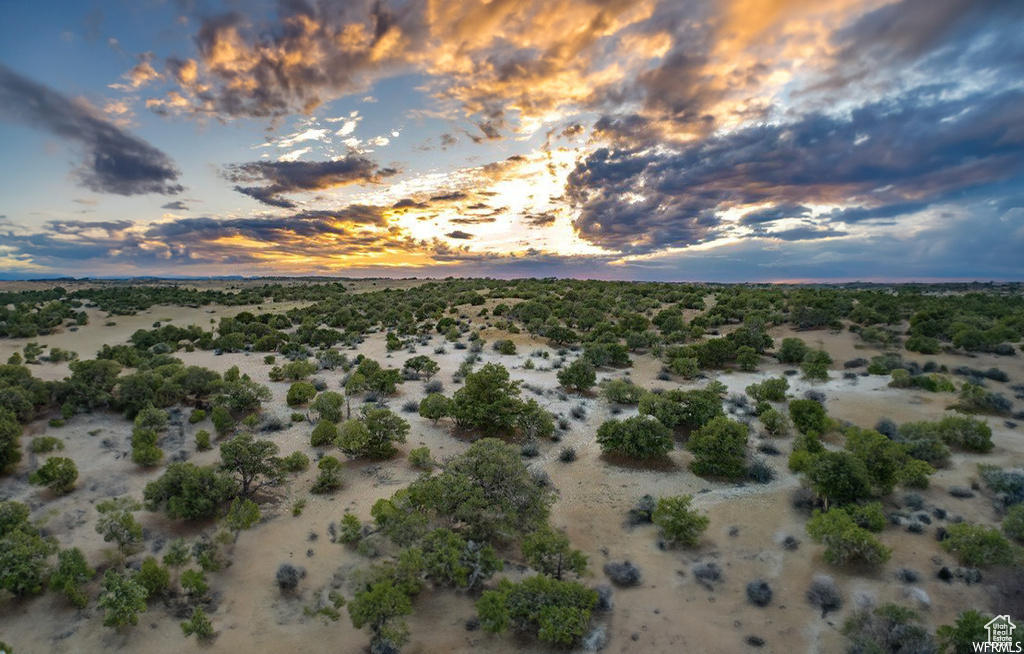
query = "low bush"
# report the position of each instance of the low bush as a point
(295, 462)
(759, 593)
(1013, 523)
(679, 524)
(623, 573)
(324, 434)
(46, 444)
(419, 457)
(639, 437)
(288, 577)
(824, 594)
(979, 546)
(844, 541)
(888, 628)
(707, 574)
(643, 512)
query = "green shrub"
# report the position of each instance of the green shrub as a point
(770, 390)
(198, 624)
(961, 637)
(805, 448)
(840, 477)
(885, 364)
(888, 628)
(71, 574)
(774, 422)
(966, 433)
(203, 440)
(815, 365)
(435, 406)
(188, 491)
(555, 611)
(579, 375)
(300, 393)
(194, 582)
(639, 437)
(324, 434)
(844, 541)
(58, 474)
(223, 423)
(679, 523)
(719, 448)
(923, 344)
(154, 577)
(870, 516)
(350, 529)
(621, 391)
(46, 444)
(690, 409)
(792, 350)
(549, 552)
(374, 435)
(123, 598)
(197, 415)
(685, 367)
(505, 347)
(329, 405)
(1013, 523)
(809, 417)
(295, 462)
(145, 451)
(329, 479)
(978, 546)
(419, 457)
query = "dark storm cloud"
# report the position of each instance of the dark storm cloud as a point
(351, 230)
(115, 161)
(473, 220)
(938, 41)
(539, 219)
(898, 155)
(912, 29)
(806, 233)
(279, 177)
(409, 203)
(771, 214)
(860, 214)
(449, 197)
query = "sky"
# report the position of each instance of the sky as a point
(671, 140)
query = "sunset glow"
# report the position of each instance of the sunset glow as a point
(659, 139)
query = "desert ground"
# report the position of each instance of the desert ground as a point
(670, 611)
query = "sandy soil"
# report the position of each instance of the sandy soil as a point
(669, 612)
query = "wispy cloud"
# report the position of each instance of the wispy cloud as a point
(280, 177)
(115, 161)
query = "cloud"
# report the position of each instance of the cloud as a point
(539, 219)
(315, 237)
(458, 234)
(177, 205)
(807, 233)
(279, 177)
(528, 57)
(115, 161)
(775, 213)
(921, 151)
(140, 75)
